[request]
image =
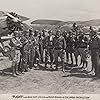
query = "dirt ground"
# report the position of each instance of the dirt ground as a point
(45, 82)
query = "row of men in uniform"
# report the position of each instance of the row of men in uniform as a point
(28, 48)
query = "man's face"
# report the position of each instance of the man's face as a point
(58, 34)
(50, 33)
(16, 34)
(27, 35)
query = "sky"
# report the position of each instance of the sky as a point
(65, 10)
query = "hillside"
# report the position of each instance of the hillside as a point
(95, 22)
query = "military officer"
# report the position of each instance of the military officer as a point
(15, 47)
(41, 45)
(59, 49)
(25, 51)
(49, 47)
(32, 49)
(36, 47)
(95, 51)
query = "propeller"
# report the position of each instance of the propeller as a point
(14, 21)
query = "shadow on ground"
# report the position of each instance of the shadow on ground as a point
(6, 72)
(80, 75)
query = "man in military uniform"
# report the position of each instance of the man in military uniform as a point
(15, 54)
(25, 51)
(83, 50)
(66, 35)
(36, 47)
(76, 31)
(70, 46)
(32, 48)
(49, 47)
(41, 45)
(59, 49)
(95, 51)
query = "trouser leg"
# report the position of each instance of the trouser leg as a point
(41, 52)
(25, 62)
(37, 50)
(62, 56)
(16, 69)
(71, 56)
(18, 61)
(51, 55)
(76, 53)
(76, 60)
(32, 54)
(56, 58)
(20, 67)
(13, 68)
(46, 57)
(94, 60)
(67, 56)
(97, 69)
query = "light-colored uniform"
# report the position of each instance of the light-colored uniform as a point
(15, 54)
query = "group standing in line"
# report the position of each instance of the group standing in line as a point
(40, 47)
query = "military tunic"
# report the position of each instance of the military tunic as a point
(95, 53)
(59, 47)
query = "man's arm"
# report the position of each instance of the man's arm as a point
(64, 43)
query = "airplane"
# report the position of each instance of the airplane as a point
(10, 22)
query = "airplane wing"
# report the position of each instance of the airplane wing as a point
(25, 27)
(4, 13)
(22, 18)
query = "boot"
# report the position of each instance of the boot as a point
(13, 71)
(16, 69)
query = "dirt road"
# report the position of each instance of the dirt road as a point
(40, 82)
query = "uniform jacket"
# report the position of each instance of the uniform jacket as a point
(48, 42)
(15, 42)
(59, 43)
(95, 43)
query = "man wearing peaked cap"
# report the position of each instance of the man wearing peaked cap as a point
(95, 51)
(15, 54)
(59, 49)
(49, 48)
(36, 47)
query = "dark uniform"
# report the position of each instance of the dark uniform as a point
(32, 51)
(36, 48)
(70, 46)
(59, 47)
(83, 49)
(76, 30)
(41, 45)
(24, 53)
(49, 49)
(95, 52)
(66, 35)
(76, 49)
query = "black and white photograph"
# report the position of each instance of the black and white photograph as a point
(50, 47)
